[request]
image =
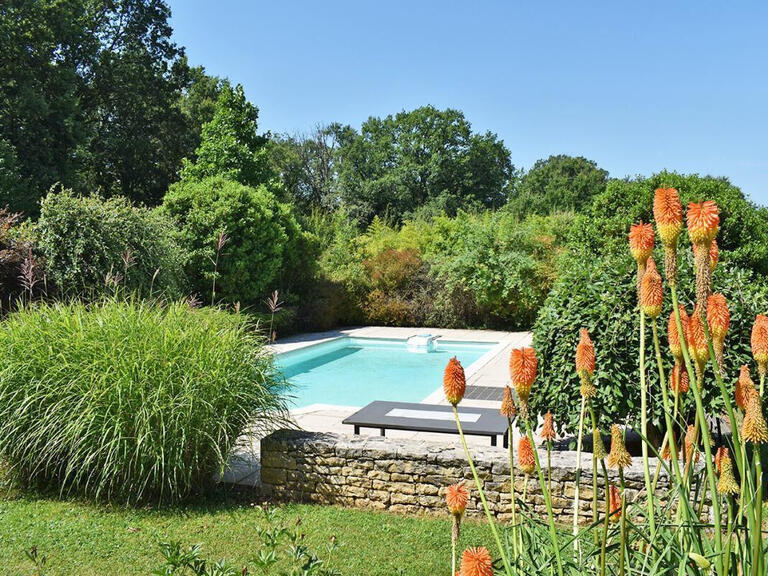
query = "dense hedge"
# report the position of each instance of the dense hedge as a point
(599, 294)
(86, 241)
(129, 401)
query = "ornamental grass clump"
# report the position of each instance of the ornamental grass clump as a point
(130, 401)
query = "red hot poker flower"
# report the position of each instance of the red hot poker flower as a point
(456, 497)
(668, 213)
(651, 291)
(522, 369)
(525, 456)
(476, 562)
(759, 342)
(454, 381)
(641, 240)
(703, 222)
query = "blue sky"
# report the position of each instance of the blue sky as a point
(637, 87)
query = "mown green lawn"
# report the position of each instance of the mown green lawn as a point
(87, 539)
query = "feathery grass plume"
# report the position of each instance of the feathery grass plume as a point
(476, 562)
(727, 483)
(718, 320)
(522, 369)
(548, 428)
(454, 381)
(619, 456)
(668, 214)
(679, 382)
(703, 223)
(754, 429)
(598, 448)
(614, 503)
(759, 343)
(585, 364)
(525, 457)
(691, 452)
(651, 291)
(696, 338)
(508, 404)
(673, 336)
(744, 388)
(641, 240)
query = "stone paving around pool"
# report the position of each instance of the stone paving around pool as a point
(491, 371)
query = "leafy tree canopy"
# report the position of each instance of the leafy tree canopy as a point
(398, 164)
(559, 183)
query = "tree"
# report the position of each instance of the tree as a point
(308, 166)
(559, 183)
(426, 157)
(230, 145)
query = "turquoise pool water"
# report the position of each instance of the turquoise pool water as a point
(356, 371)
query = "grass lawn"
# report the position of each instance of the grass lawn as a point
(85, 539)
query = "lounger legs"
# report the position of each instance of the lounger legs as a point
(493, 440)
(382, 431)
(357, 430)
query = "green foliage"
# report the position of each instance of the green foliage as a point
(265, 247)
(743, 225)
(129, 401)
(90, 98)
(559, 183)
(599, 294)
(504, 265)
(90, 245)
(230, 146)
(427, 156)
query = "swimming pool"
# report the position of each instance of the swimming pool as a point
(355, 371)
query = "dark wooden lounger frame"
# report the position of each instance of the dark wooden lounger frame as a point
(491, 423)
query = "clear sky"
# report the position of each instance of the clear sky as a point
(636, 86)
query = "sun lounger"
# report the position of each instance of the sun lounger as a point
(430, 418)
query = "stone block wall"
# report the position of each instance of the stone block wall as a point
(409, 476)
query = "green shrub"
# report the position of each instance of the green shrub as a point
(130, 401)
(599, 294)
(86, 240)
(266, 248)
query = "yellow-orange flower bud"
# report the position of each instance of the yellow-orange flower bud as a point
(703, 222)
(754, 429)
(508, 403)
(651, 291)
(548, 428)
(760, 342)
(476, 562)
(525, 456)
(614, 502)
(522, 369)
(678, 379)
(673, 335)
(619, 456)
(641, 240)
(454, 381)
(744, 388)
(668, 214)
(456, 498)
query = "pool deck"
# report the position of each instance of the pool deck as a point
(491, 370)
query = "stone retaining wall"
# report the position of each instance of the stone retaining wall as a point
(410, 476)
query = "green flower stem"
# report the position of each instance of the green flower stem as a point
(479, 486)
(594, 476)
(623, 538)
(685, 501)
(762, 383)
(512, 488)
(547, 501)
(702, 419)
(757, 532)
(453, 555)
(577, 483)
(604, 543)
(549, 466)
(644, 428)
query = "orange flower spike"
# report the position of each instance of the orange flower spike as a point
(714, 255)
(703, 222)
(674, 336)
(641, 239)
(759, 343)
(585, 364)
(754, 429)
(619, 456)
(522, 369)
(508, 404)
(454, 381)
(727, 483)
(668, 214)
(722, 452)
(651, 291)
(744, 388)
(456, 498)
(679, 382)
(718, 316)
(697, 340)
(525, 456)
(548, 428)
(476, 562)
(614, 503)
